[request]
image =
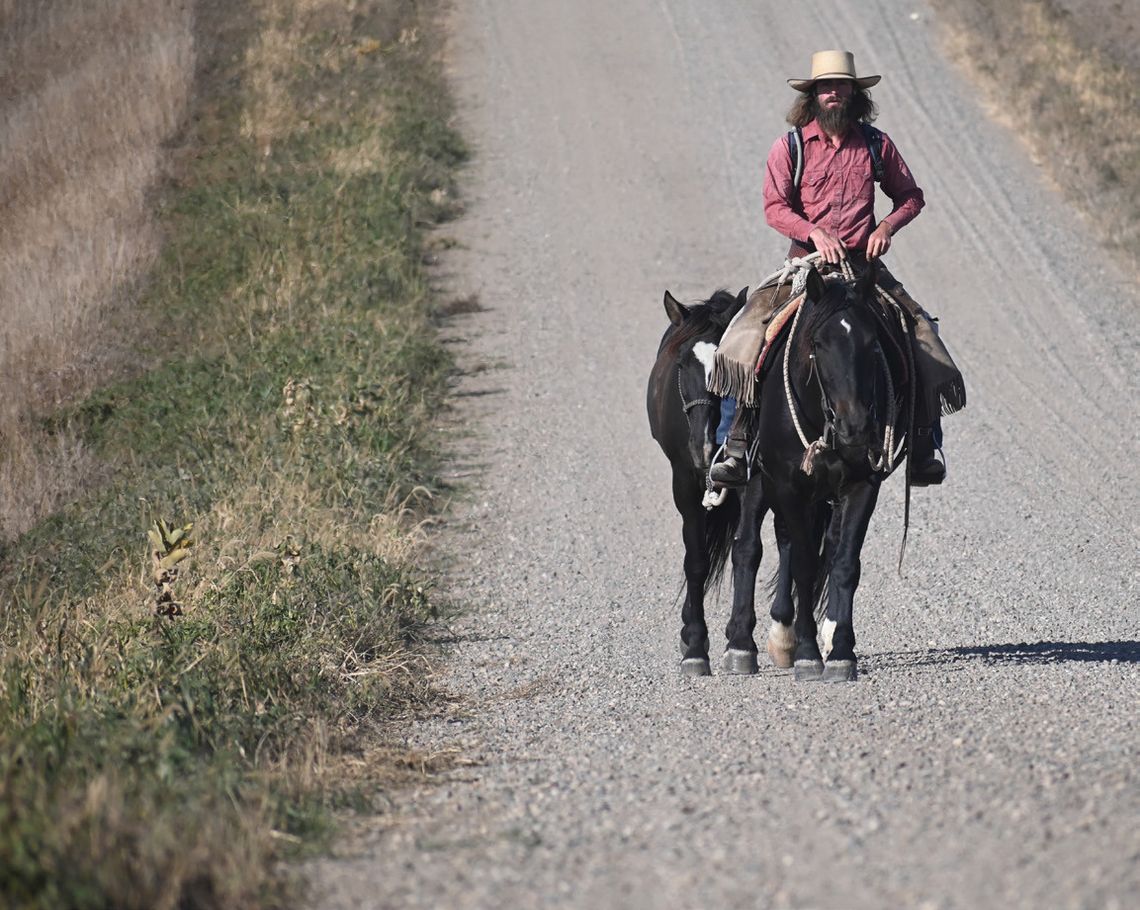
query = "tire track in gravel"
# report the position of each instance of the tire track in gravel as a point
(987, 756)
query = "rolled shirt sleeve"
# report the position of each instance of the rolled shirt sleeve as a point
(900, 187)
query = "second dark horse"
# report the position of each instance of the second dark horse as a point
(683, 417)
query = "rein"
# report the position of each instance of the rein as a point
(812, 450)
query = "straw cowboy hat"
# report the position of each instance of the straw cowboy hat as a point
(832, 65)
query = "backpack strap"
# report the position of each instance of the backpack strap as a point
(796, 153)
(874, 139)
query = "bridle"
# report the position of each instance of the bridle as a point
(713, 496)
(826, 441)
(829, 436)
(687, 406)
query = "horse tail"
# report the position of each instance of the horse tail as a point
(720, 529)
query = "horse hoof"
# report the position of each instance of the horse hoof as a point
(780, 657)
(695, 666)
(807, 670)
(739, 662)
(840, 671)
(781, 645)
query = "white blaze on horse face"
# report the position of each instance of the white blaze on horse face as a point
(846, 325)
(704, 351)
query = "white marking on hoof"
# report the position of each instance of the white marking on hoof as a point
(695, 666)
(781, 644)
(828, 632)
(705, 352)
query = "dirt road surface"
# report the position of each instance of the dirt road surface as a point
(987, 756)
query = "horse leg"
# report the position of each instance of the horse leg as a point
(781, 638)
(807, 662)
(854, 516)
(694, 632)
(747, 550)
(827, 633)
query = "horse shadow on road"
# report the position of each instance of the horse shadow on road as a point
(1036, 653)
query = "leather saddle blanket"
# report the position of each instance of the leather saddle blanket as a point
(749, 335)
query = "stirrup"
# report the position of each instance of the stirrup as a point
(734, 471)
(934, 473)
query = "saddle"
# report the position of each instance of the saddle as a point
(742, 357)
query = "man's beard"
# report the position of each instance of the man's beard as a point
(835, 120)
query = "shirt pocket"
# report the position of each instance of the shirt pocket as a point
(814, 190)
(861, 184)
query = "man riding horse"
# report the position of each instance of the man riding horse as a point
(819, 191)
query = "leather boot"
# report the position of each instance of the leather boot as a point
(925, 468)
(732, 470)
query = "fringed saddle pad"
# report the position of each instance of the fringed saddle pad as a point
(747, 336)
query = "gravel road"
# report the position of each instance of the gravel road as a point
(987, 756)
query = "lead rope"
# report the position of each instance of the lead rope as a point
(887, 457)
(889, 297)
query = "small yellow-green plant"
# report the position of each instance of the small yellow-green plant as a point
(168, 547)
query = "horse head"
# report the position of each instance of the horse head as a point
(683, 415)
(848, 363)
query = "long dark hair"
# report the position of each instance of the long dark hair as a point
(806, 108)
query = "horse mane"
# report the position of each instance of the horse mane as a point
(713, 312)
(834, 301)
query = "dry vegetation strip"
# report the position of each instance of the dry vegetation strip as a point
(279, 402)
(1077, 104)
(91, 90)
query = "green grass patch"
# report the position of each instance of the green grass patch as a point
(283, 405)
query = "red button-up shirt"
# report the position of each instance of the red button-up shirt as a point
(837, 191)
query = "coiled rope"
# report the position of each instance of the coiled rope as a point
(797, 268)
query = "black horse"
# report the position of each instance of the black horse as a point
(835, 405)
(683, 417)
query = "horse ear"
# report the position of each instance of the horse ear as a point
(814, 285)
(742, 297)
(675, 309)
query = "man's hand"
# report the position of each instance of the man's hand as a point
(879, 241)
(829, 246)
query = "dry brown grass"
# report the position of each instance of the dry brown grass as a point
(91, 91)
(1075, 102)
